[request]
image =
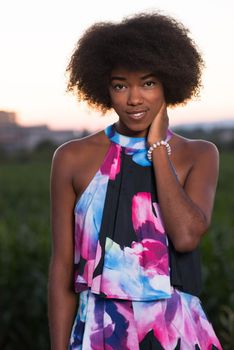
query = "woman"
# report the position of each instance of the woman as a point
(142, 197)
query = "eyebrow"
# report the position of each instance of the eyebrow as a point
(150, 75)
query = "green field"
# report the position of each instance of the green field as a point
(25, 247)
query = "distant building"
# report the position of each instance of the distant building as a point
(7, 118)
(14, 137)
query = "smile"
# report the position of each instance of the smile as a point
(137, 114)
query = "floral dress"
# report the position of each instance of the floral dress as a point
(122, 265)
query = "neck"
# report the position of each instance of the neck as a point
(125, 131)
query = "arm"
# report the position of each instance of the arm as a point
(61, 298)
(186, 210)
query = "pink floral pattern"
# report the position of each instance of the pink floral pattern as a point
(122, 270)
(175, 323)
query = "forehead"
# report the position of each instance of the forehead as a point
(130, 74)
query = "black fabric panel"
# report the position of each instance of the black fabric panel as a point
(117, 220)
(80, 266)
(185, 270)
(178, 345)
(150, 342)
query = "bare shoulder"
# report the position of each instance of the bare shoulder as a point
(78, 151)
(196, 149)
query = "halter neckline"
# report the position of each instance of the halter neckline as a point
(129, 141)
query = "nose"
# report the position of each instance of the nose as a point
(134, 96)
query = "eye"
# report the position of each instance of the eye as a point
(149, 83)
(118, 87)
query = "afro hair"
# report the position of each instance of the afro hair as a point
(146, 41)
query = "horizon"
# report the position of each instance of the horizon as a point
(217, 122)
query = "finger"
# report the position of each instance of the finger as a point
(163, 110)
(163, 107)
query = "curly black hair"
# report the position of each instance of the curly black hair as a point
(146, 41)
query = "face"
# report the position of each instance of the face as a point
(136, 97)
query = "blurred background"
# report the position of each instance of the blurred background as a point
(37, 39)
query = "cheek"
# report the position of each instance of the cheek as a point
(117, 100)
(155, 95)
(159, 98)
(159, 93)
(156, 101)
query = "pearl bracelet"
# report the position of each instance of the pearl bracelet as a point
(157, 144)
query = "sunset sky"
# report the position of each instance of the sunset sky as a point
(38, 37)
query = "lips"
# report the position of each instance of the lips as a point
(137, 114)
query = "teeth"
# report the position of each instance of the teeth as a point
(137, 115)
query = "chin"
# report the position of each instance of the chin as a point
(137, 129)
